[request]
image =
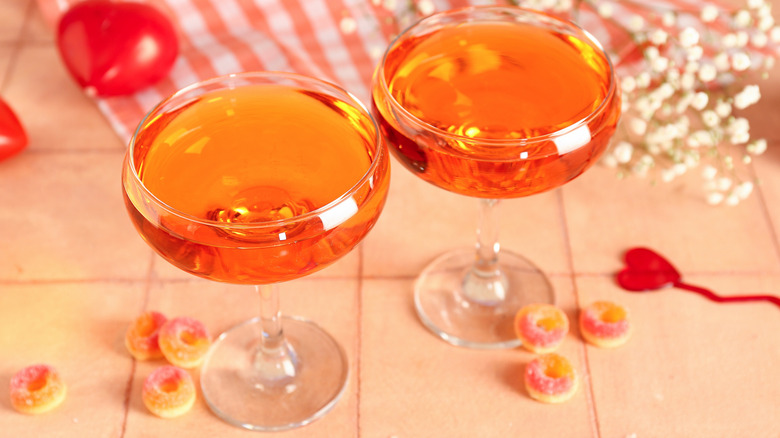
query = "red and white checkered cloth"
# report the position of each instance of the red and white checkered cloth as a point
(219, 37)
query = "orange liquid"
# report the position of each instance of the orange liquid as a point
(495, 81)
(252, 155)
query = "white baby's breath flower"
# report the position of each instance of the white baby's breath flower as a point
(740, 61)
(623, 152)
(426, 7)
(680, 168)
(609, 160)
(709, 13)
(652, 53)
(692, 67)
(722, 61)
(715, 198)
(687, 81)
(739, 137)
(694, 53)
(743, 190)
(742, 18)
(732, 199)
(643, 80)
(668, 175)
(759, 40)
(707, 73)
(669, 19)
(689, 37)
(766, 23)
(628, 84)
(723, 183)
(755, 4)
(774, 34)
(348, 25)
(636, 23)
(709, 172)
(742, 38)
(723, 109)
(748, 96)
(729, 40)
(700, 100)
(658, 37)
(757, 147)
(665, 91)
(710, 118)
(637, 126)
(698, 139)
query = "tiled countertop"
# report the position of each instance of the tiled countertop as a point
(74, 273)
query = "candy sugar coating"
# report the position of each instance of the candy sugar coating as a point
(168, 392)
(605, 324)
(184, 341)
(541, 327)
(37, 389)
(551, 378)
(141, 338)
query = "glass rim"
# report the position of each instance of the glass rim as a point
(527, 141)
(280, 223)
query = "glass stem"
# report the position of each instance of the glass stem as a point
(274, 360)
(485, 283)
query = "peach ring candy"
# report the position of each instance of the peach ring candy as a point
(168, 392)
(184, 341)
(141, 338)
(541, 327)
(550, 378)
(605, 324)
(37, 389)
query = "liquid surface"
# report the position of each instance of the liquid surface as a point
(500, 80)
(258, 154)
(475, 82)
(262, 154)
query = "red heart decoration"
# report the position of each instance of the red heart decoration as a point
(646, 270)
(13, 137)
(115, 48)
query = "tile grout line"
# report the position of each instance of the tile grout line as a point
(147, 285)
(359, 346)
(16, 46)
(590, 396)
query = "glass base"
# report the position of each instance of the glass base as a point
(234, 390)
(466, 320)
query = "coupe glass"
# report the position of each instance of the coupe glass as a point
(259, 178)
(492, 103)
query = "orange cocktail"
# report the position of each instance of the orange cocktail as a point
(492, 103)
(259, 178)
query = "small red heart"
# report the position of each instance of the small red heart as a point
(13, 137)
(114, 48)
(646, 270)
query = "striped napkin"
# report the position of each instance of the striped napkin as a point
(336, 40)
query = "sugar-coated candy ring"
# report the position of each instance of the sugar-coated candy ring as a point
(605, 324)
(141, 338)
(168, 392)
(37, 389)
(541, 327)
(184, 341)
(551, 378)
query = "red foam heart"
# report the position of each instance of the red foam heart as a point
(13, 138)
(646, 270)
(116, 48)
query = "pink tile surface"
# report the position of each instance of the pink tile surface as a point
(74, 274)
